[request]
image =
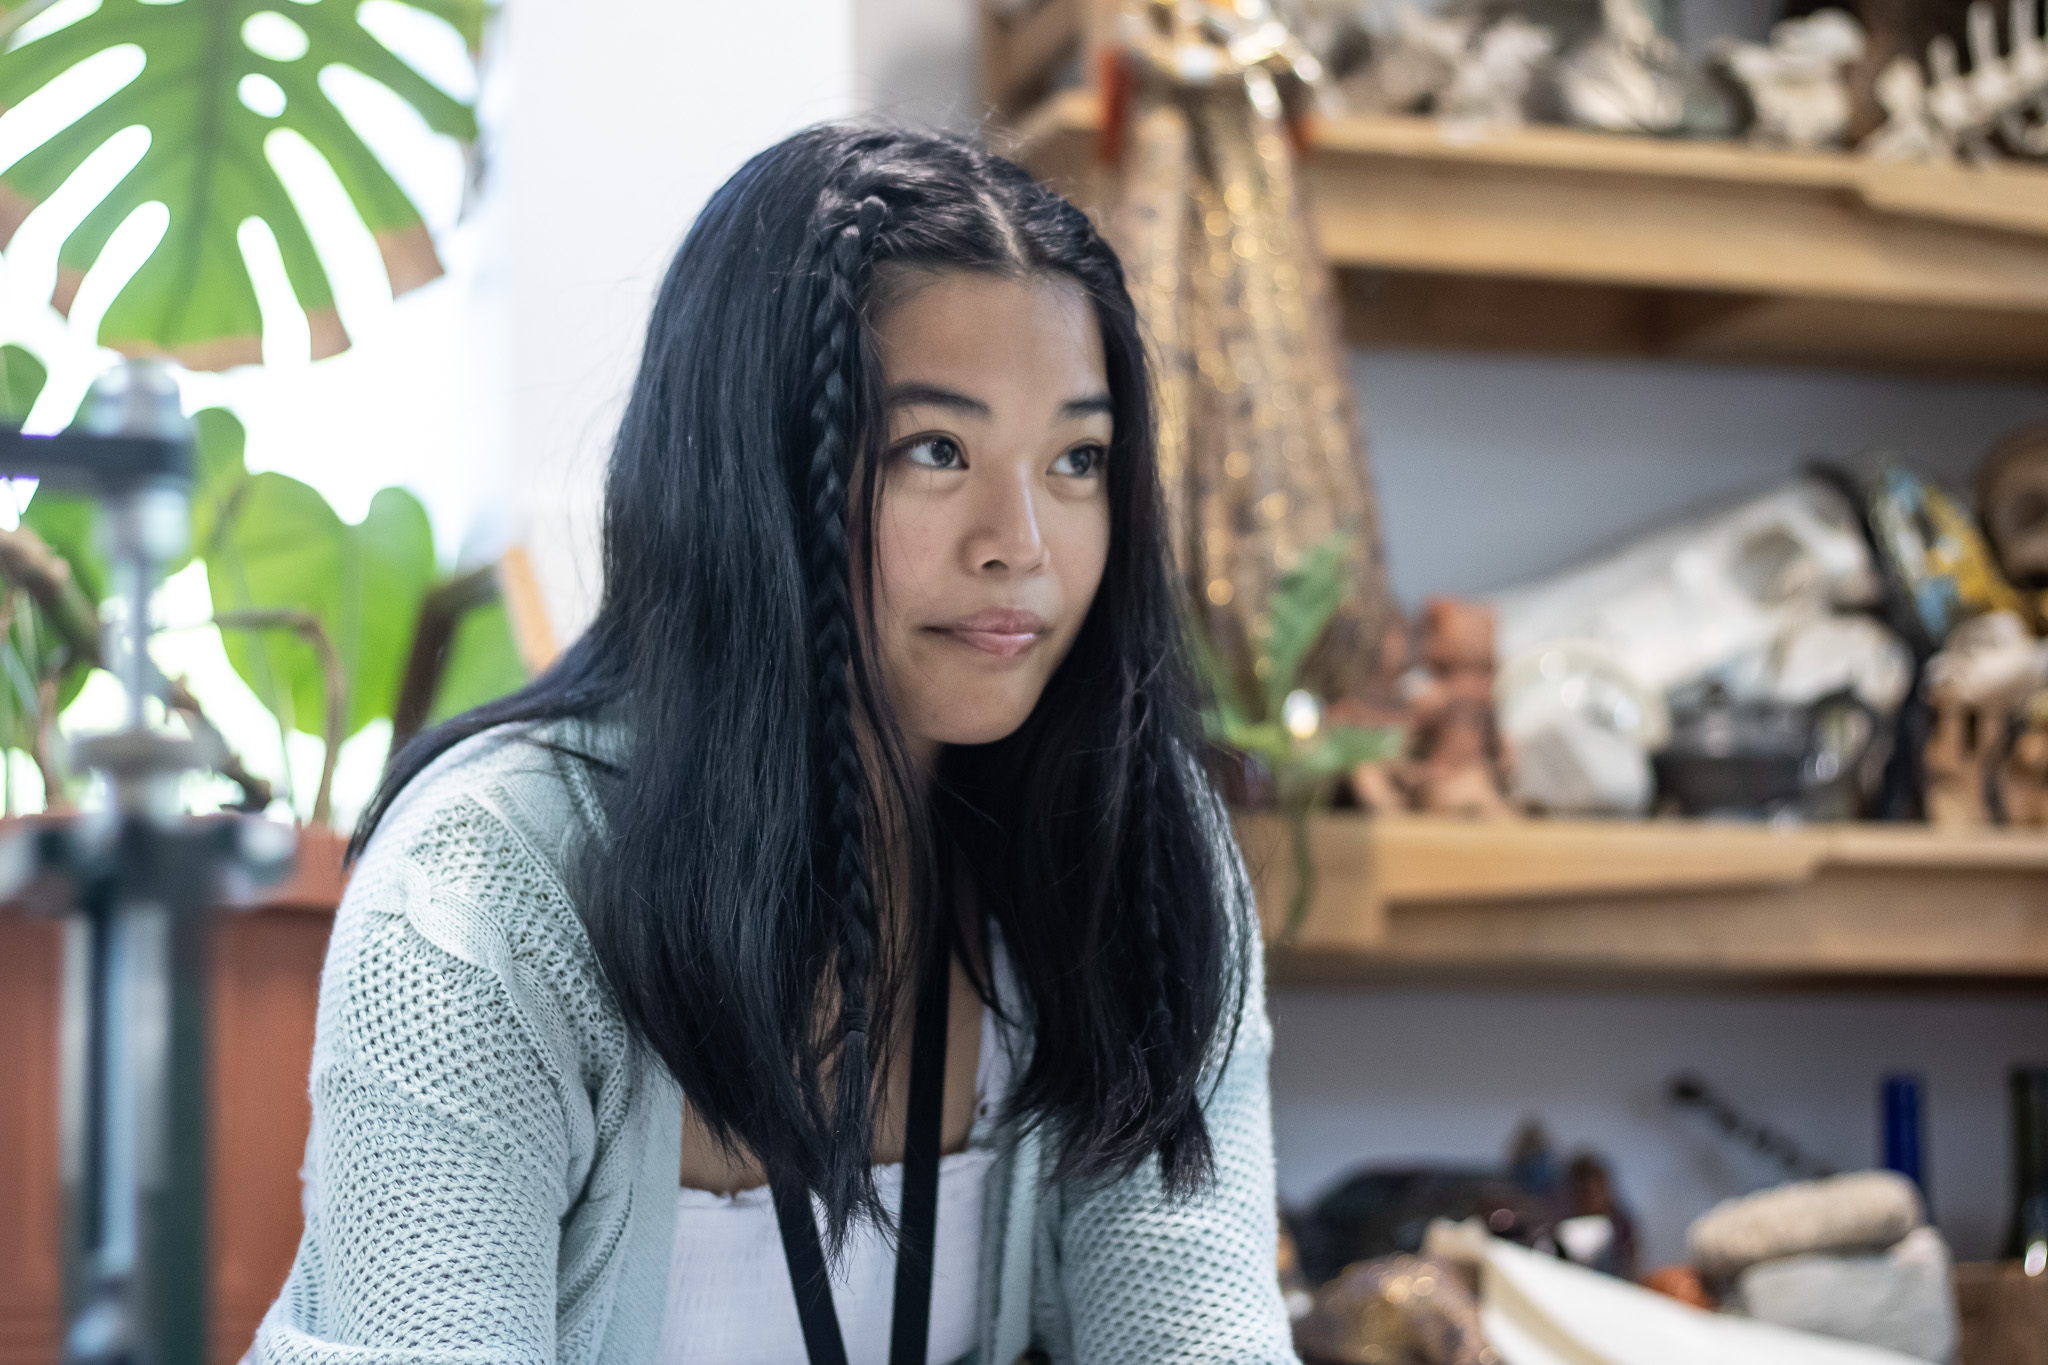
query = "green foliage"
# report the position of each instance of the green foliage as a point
(483, 663)
(270, 543)
(207, 161)
(22, 377)
(273, 543)
(1300, 608)
(32, 648)
(1304, 768)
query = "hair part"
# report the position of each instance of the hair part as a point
(751, 939)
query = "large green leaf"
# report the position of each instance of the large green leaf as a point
(21, 382)
(207, 164)
(281, 547)
(483, 663)
(391, 566)
(218, 471)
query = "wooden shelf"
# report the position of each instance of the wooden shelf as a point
(1584, 900)
(1561, 240)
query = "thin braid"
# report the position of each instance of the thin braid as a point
(1159, 1026)
(1157, 1035)
(840, 865)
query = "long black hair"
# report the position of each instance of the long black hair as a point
(737, 901)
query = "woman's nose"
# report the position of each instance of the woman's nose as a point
(1006, 538)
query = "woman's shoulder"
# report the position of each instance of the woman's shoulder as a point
(479, 853)
(530, 781)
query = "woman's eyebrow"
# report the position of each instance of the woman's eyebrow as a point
(933, 396)
(1086, 407)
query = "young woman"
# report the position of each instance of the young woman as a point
(847, 903)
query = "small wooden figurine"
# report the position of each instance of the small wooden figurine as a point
(1990, 666)
(1457, 761)
(2023, 776)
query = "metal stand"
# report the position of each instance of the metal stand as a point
(140, 882)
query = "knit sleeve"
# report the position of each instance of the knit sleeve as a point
(1147, 1280)
(447, 1128)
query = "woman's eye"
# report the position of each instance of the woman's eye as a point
(1080, 462)
(935, 452)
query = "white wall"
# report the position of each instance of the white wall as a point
(622, 119)
(908, 65)
(1495, 468)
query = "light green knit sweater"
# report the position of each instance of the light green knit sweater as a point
(491, 1175)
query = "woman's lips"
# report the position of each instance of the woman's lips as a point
(1001, 631)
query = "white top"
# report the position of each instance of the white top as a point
(729, 1297)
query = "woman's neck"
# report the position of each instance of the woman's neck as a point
(923, 755)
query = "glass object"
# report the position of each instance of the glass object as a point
(2027, 1239)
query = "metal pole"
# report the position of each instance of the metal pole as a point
(141, 880)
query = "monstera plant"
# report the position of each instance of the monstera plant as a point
(332, 624)
(220, 80)
(1275, 722)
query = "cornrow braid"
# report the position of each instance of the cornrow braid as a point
(840, 866)
(1155, 1035)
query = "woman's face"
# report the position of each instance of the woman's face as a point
(993, 522)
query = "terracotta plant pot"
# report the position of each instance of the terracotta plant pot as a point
(265, 987)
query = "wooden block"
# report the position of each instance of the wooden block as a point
(2004, 1314)
(1347, 913)
(1429, 859)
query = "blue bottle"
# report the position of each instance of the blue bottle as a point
(1903, 1118)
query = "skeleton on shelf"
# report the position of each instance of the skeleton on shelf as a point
(1797, 82)
(1412, 59)
(1980, 687)
(1627, 78)
(2022, 776)
(1458, 63)
(1769, 596)
(1493, 78)
(1999, 106)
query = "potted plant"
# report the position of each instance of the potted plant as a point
(332, 625)
(1259, 711)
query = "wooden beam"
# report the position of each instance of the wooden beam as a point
(1669, 899)
(1348, 911)
(1845, 921)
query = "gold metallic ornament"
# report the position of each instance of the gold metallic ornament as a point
(1259, 444)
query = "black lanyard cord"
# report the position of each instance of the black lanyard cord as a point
(917, 1218)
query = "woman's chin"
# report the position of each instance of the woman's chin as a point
(985, 728)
